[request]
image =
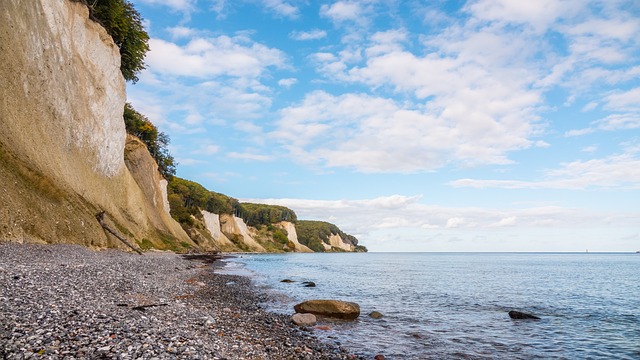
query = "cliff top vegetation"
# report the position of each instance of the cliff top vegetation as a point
(124, 23)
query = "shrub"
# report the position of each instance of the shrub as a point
(157, 142)
(124, 23)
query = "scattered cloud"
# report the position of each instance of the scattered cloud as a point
(281, 8)
(616, 171)
(365, 216)
(374, 134)
(613, 122)
(236, 56)
(207, 149)
(341, 11)
(288, 82)
(176, 5)
(314, 34)
(624, 100)
(251, 156)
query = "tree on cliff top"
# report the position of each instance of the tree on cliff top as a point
(157, 142)
(123, 22)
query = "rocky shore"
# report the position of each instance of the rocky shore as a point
(68, 302)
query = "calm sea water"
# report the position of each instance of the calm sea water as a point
(454, 305)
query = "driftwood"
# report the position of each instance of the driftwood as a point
(100, 218)
(144, 307)
(141, 307)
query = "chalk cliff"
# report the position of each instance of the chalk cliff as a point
(64, 153)
(234, 228)
(292, 235)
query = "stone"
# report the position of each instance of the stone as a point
(522, 316)
(375, 314)
(379, 357)
(330, 308)
(309, 284)
(286, 281)
(304, 319)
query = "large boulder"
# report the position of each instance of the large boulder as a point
(330, 308)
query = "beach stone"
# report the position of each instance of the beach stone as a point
(309, 284)
(522, 316)
(304, 319)
(379, 357)
(375, 314)
(330, 308)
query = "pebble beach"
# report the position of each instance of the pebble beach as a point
(69, 302)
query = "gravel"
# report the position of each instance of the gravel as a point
(68, 302)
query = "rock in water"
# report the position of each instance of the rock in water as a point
(330, 308)
(521, 316)
(286, 281)
(304, 319)
(309, 284)
(375, 314)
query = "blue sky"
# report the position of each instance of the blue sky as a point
(485, 125)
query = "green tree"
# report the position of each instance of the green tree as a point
(157, 142)
(124, 23)
(314, 233)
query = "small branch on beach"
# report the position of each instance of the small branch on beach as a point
(144, 307)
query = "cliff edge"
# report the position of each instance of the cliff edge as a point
(62, 135)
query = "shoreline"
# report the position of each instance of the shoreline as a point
(67, 301)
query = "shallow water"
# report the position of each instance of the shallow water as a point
(454, 305)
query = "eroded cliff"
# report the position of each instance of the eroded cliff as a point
(62, 136)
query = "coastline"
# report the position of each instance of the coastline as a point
(66, 301)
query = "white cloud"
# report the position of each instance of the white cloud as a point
(374, 134)
(314, 34)
(251, 156)
(207, 149)
(181, 32)
(342, 11)
(616, 171)
(579, 132)
(365, 218)
(625, 100)
(281, 8)
(178, 5)
(209, 57)
(613, 122)
(288, 82)
(619, 122)
(455, 222)
(248, 127)
(538, 14)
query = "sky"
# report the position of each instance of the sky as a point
(480, 125)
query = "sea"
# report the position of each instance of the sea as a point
(455, 305)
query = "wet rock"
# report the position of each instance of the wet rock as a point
(379, 357)
(286, 281)
(375, 315)
(522, 316)
(309, 284)
(330, 308)
(304, 319)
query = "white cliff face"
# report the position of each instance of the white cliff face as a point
(62, 133)
(212, 222)
(79, 63)
(234, 227)
(336, 240)
(165, 197)
(292, 235)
